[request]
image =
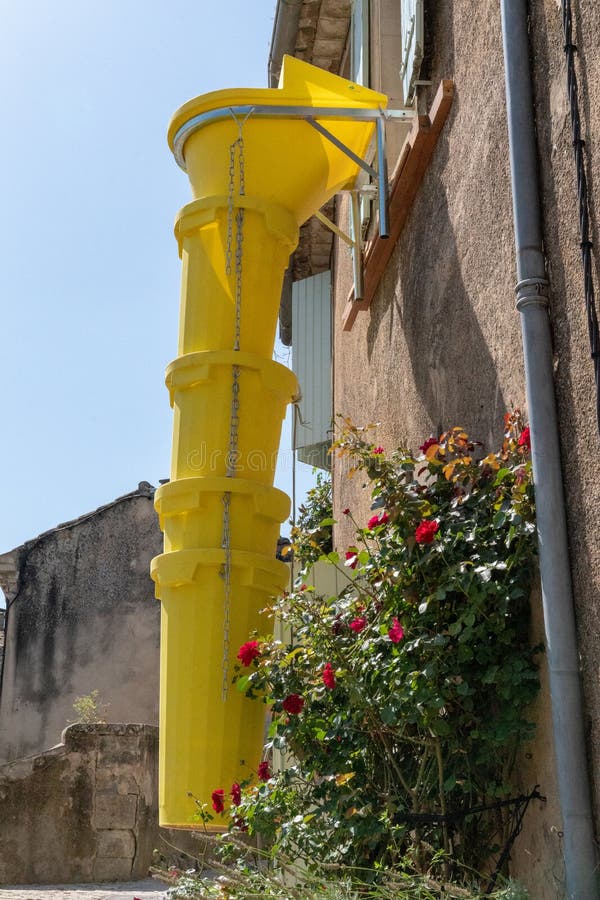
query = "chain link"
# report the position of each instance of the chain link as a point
(235, 150)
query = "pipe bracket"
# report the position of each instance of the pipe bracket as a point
(532, 292)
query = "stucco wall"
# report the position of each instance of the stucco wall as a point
(441, 343)
(84, 811)
(574, 371)
(83, 618)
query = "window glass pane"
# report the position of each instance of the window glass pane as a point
(359, 46)
(412, 45)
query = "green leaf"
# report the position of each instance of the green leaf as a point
(388, 715)
(241, 684)
(501, 475)
(499, 519)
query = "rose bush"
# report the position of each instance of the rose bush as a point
(403, 699)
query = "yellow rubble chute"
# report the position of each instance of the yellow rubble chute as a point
(259, 164)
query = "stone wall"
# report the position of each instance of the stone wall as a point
(81, 617)
(84, 811)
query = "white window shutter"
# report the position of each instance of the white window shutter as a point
(311, 361)
(412, 31)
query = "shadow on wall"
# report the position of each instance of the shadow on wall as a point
(453, 370)
(423, 291)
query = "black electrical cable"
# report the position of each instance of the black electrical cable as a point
(582, 196)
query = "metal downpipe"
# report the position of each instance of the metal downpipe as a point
(557, 598)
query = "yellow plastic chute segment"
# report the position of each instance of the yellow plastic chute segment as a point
(191, 510)
(206, 743)
(270, 235)
(200, 389)
(255, 180)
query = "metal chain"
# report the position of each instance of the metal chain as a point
(236, 149)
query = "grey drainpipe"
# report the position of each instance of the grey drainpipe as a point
(557, 598)
(285, 29)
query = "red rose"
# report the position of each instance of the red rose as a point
(293, 704)
(525, 438)
(378, 450)
(396, 632)
(428, 443)
(379, 519)
(249, 651)
(328, 676)
(351, 559)
(358, 624)
(236, 794)
(218, 803)
(264, 771)
(346, 512)
(425, 531)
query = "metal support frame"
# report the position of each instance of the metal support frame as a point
(311, 115)
(354, 241)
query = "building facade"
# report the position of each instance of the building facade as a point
(436, 341)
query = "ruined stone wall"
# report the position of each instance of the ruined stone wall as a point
(85, 811)
(82, 618)
(441, 344)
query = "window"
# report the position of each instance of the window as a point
(411, 19)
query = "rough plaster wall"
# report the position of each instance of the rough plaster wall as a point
(441, 344)
(84, 811)
(84, 619)
(574, 369)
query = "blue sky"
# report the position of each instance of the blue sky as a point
(89, 272)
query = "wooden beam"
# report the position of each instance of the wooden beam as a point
(406, 180)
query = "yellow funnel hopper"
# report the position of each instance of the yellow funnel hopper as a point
(287, 162)
(260, 163)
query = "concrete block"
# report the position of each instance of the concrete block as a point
(333, 28)
(112, 810)
(329, 48)
(121, 781)
(116, 843)
(334, 8)
(112, 869)
(325, 62)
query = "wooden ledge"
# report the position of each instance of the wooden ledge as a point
(406, 179)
